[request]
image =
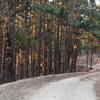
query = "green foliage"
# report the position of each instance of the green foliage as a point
(93, 2)
(45, 8)
(22, 38)
(35, 41)
(64, 1)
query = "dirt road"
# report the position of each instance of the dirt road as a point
(18, 90)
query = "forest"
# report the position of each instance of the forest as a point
(43, 37)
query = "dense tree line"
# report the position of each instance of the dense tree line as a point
(39, 37)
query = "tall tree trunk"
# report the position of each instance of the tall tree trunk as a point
(91, 58)
(8, 53)
(87, 56)
(73, 61)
